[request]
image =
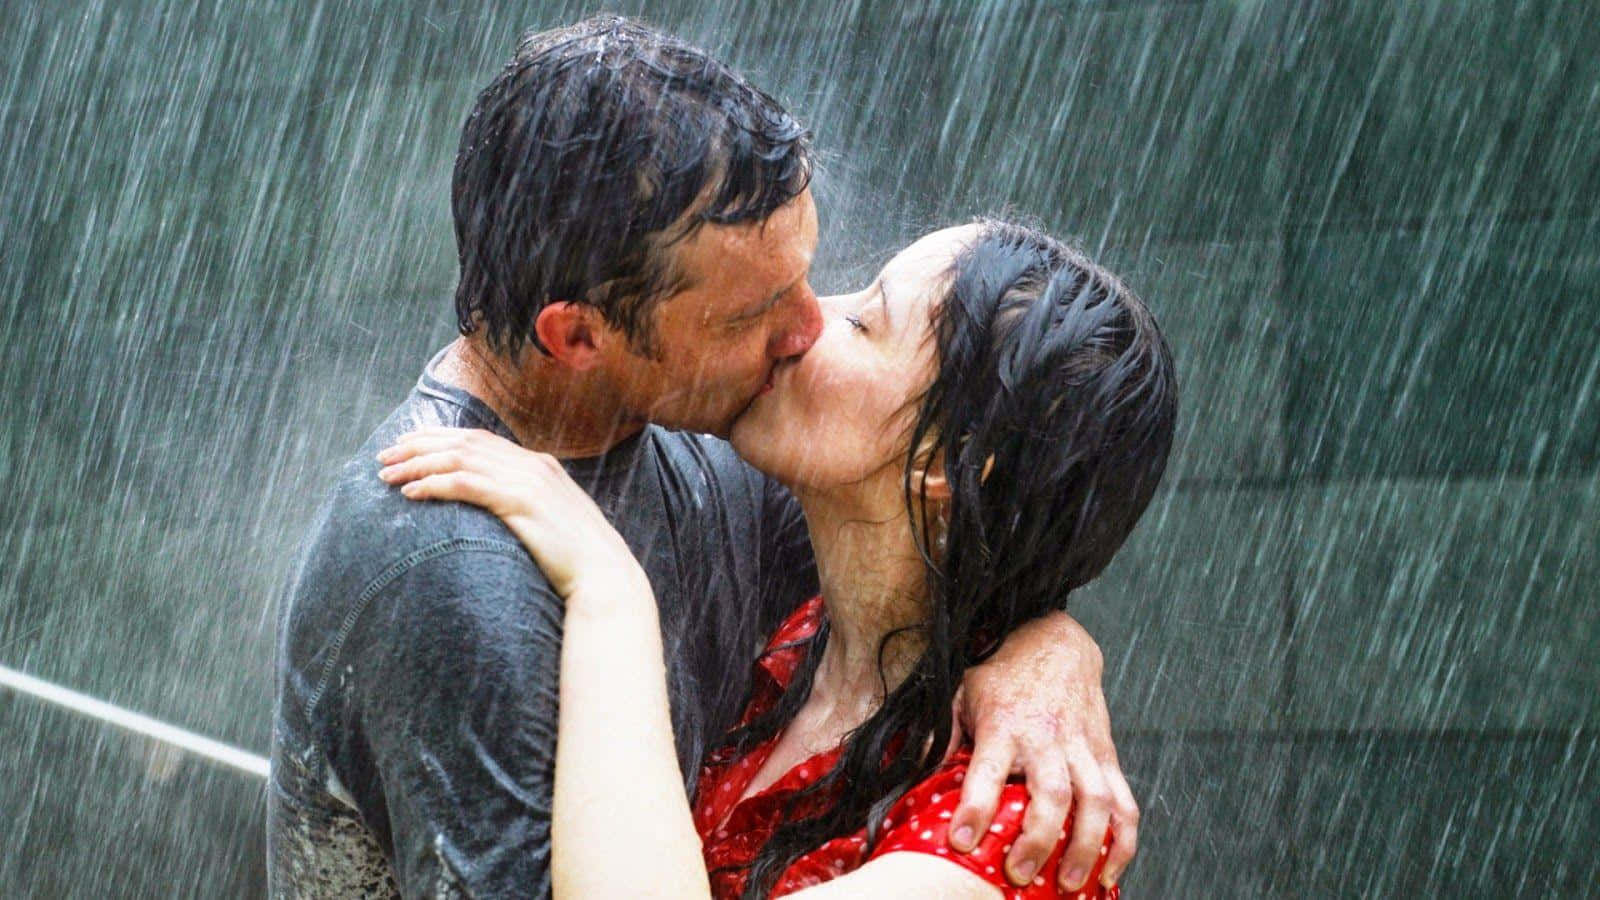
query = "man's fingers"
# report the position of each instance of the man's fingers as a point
(1124, 828)
(1049, 801)
(1091, 814)
(957, 736)
(980, 792)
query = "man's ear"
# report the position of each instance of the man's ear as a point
(567, 330)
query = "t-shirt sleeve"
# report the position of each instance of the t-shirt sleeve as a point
(454, 705)
(920, 823)
(789, 570)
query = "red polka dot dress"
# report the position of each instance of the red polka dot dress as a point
(732, 831)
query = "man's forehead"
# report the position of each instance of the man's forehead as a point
(766, 255)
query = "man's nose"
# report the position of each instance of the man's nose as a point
(802, 331)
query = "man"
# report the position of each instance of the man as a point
(635, 232)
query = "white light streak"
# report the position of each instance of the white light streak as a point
(200, 745)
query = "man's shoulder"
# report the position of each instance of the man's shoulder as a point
(366, 530)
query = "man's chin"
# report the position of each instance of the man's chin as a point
(724, 428)
(716, 424)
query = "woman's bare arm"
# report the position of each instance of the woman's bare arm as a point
(621, 824)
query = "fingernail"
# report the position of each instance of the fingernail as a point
(1024, 871)
(385, 453)
(963, 837)
(1076, 878)
(386, 473)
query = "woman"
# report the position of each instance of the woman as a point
(971, 437)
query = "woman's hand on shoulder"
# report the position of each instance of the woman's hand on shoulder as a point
(566, 533)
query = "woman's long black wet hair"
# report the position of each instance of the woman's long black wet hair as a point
(1053, 410)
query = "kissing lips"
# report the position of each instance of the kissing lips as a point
(778, 368)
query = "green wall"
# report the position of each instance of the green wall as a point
(1352, 645)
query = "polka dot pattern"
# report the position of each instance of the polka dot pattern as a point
(733, 831)
(922, 820)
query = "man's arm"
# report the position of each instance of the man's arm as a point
(453, 704)
(1036, 707)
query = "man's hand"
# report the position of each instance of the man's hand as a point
(1036, 708)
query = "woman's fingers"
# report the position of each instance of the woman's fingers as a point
(461, 487)
(507, 482)
(424, 464)
(437, 449)
(416, 443)
(433, 438)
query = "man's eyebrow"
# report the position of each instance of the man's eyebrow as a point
(770, 302)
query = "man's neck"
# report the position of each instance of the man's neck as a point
(547, 407)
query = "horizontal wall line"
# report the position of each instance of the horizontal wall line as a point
(1575, 734)
(128, 720)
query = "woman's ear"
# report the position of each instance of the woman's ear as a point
(568, 332)
(928, 473)
(931, 476)
(935, 486)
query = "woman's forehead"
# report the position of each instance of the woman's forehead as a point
(929, 256)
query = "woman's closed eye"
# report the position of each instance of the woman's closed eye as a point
(856, 323)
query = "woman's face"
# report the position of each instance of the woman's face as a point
(840, 415)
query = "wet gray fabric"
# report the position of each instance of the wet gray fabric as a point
(418, 650)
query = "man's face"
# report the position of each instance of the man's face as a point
(746, 306)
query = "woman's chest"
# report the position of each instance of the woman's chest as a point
(799, 756)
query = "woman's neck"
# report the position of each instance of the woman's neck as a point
(873, 583)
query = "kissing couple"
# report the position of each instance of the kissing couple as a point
(672, 579)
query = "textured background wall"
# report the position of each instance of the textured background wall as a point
(1352, 646)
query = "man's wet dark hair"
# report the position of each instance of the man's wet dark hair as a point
(1053, 410)
(597, 148)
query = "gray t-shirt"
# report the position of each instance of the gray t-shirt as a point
(414, 729)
